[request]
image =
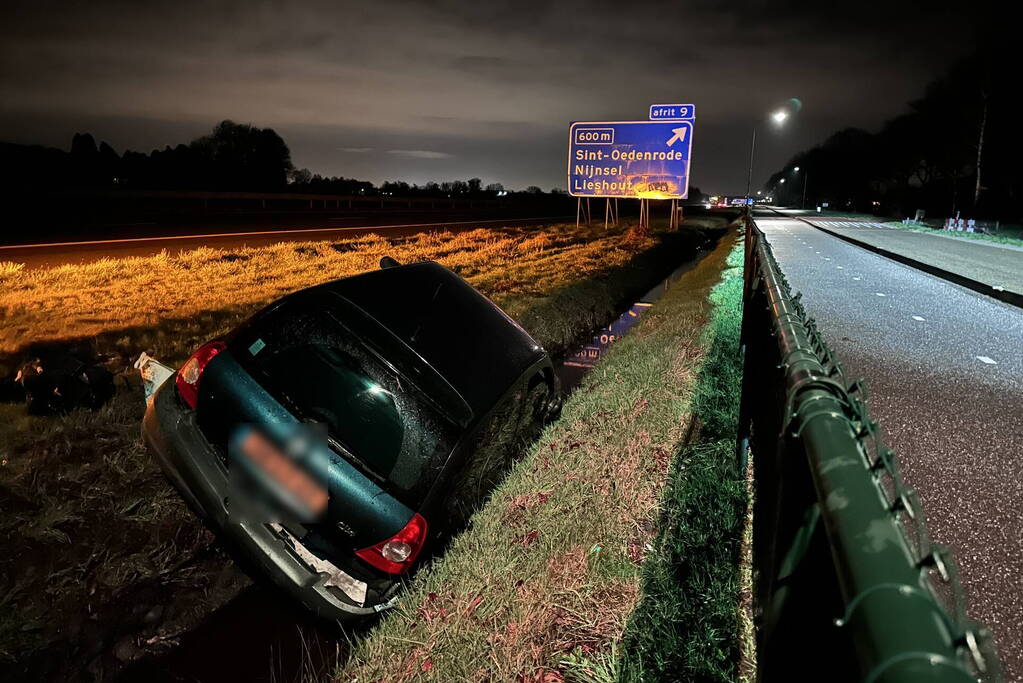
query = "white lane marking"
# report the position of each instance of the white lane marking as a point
(826, 258)
(856, 278)
(840, 267)
(985, 359)
(879, 294)
(919, 318)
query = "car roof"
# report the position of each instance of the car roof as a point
(464, 336)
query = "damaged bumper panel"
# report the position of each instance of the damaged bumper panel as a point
(349, 585)
(202, 480)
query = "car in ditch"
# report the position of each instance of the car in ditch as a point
(339, 436)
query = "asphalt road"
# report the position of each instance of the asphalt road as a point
(991, 263)
(239, 235)
(944, 371)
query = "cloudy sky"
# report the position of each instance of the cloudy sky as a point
(439, 90)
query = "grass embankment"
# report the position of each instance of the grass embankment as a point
(1007, 234)
(688, 626)
(100, 555)
(542, 585)
(1012, 237)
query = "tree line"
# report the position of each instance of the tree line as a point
(956, 150)
(233, 157)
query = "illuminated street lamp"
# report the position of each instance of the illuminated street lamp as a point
(778, 118)
(783, 180)
(806, 177)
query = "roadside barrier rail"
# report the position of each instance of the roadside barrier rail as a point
(847, 584)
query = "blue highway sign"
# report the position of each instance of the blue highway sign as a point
(672, 112)
(638, 159)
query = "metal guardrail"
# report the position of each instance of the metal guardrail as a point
(847, 584)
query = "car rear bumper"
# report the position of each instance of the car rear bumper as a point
(196, 471)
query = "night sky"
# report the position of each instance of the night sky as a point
(440, 90)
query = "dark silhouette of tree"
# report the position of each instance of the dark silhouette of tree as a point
(238, 156)
(956, 149)
(233, 157)
(84, 158)
(83, 146)
(108, 165)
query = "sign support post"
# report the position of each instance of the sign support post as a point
(610, 212)
(582, 211)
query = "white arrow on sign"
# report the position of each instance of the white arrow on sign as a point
(679, 134)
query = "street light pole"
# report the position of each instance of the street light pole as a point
(806, 176)
(779, 119)
(749, 178)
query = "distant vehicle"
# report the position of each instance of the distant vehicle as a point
(336, 438)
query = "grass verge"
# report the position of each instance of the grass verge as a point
(102, 559)
(540, 587)
(976, 236)
(687, 625)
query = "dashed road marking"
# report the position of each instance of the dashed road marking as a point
(856, 278)
(880, 294)
(840, 267)
(985, 359)
(919, 318)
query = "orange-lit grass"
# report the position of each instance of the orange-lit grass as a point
(95, 525)
(76, 301)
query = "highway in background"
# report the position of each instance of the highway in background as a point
(300, 228)
(992, 263)
(944, 372)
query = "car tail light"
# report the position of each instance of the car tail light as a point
(397, 553)
(187, 381)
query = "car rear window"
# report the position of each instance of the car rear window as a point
(323, 373)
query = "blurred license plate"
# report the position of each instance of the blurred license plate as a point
(288, 483)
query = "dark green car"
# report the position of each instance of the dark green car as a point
(338, 436)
